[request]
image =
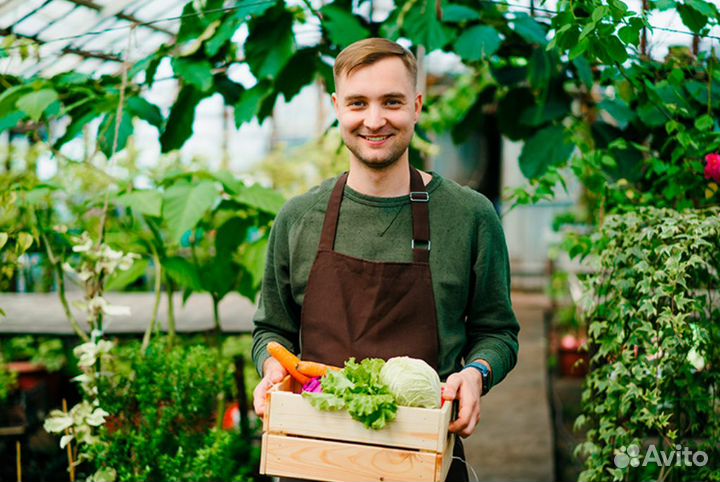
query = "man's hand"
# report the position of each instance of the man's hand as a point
(466, 387)
(273, 372)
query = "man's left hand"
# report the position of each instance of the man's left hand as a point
(466, 387)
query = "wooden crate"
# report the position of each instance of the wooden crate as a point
(303, 442)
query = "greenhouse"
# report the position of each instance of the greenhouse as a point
(391, 240)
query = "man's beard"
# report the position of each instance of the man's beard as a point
(378, 164)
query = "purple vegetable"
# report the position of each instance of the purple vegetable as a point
(313, 386)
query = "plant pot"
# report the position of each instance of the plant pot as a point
(572, 363)
(573, 359)
(29, 375)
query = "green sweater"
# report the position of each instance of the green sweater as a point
(468, 261)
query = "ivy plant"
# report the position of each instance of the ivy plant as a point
(654, 340)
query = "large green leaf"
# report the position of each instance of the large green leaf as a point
(584, 71)
(35, 103)
(699, 91)
(270, 43)
(651, 115)
(619, 110)
(510, 108)
(230, 90)
(342, 26)
(183, 272)
(231, 184)
(150, 113)
(540, 68)
(478, 42)
(11, 121)
(197, 73)
(222, 35)
(120, 279)
(298, 73)
(147, 202)
(106, 134)
(9, 98)
(615, 48)
(529, 29)
(704, 7)
(423, 27)
(546, 148)
(250, 101)
(693, 19)
(252, 257)
(230, 235)
(180, 121)
(218, 276)
(251, 8)
(184, 205)
(459, 13)
(261, 198)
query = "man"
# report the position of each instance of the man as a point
(387, 260)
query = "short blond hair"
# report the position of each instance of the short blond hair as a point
(370, 50)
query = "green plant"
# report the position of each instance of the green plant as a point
(8, 380)
(655, 343)
(161, 417)
(47, 351)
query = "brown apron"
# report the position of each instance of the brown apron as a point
(358, 308)
(362, 309)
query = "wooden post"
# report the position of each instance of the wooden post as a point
(71, 465)
(18, 461)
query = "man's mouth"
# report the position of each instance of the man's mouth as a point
(376, 138)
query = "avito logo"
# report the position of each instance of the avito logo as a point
(630, 455)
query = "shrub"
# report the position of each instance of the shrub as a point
(655, 344)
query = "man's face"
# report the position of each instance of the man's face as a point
(377, 108)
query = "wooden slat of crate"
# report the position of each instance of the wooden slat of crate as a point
(414, 428)
(314, 459)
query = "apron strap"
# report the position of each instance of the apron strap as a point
(419, 199)
(327, 238)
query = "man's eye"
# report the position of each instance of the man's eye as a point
(394, 102)
(357, 103)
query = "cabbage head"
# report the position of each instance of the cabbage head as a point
(413, 382)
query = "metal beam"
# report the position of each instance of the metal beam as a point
(130, 18)
(66, 49)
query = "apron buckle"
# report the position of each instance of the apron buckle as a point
(419, 196)
(427, 243)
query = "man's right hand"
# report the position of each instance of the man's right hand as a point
(273, 372)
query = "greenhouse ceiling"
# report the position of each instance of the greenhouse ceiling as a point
(82, 35)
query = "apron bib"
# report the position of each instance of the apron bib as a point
(362, 309)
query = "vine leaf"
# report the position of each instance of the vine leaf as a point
(343, 27)
(35, 103)
(271, 43)
(478, 42)
(185, 204)
(548, 147)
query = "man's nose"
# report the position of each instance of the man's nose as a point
(375, 118)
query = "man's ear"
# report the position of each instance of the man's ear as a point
(418, 106)
(335, 101)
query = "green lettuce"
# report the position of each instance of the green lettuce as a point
(358, 389)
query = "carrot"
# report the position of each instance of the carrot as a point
(287, 360)
(314, 369)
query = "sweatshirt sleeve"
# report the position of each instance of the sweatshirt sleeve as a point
(278, 316)
(492, 329)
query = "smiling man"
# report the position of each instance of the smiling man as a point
(387, 260)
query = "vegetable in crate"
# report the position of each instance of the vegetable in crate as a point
(413, 382)
(358, 389)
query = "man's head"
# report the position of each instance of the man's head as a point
(376, 101)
